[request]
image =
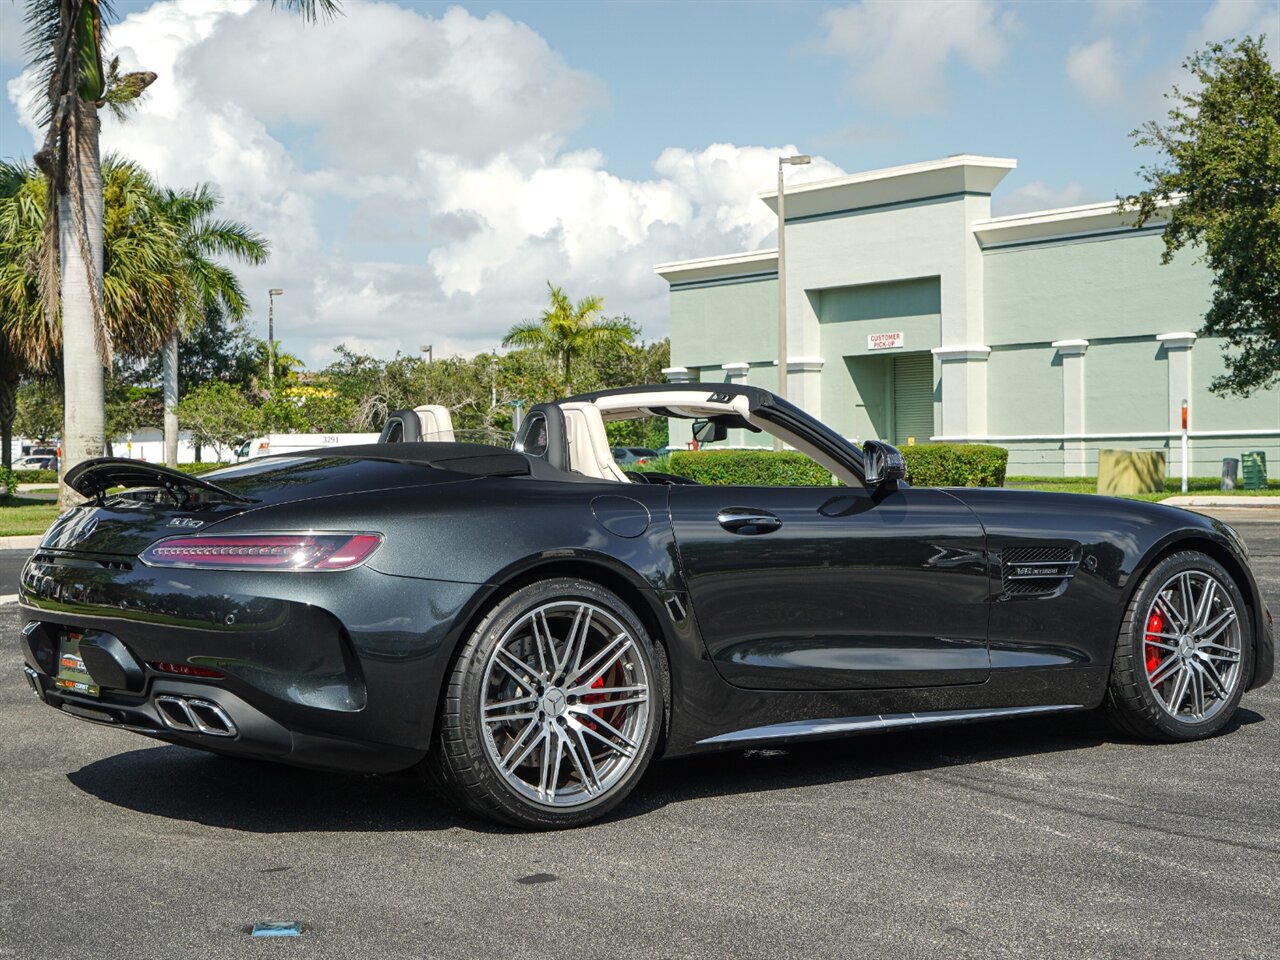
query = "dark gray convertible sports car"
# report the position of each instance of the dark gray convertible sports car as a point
(532, 626)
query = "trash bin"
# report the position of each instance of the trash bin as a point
(1255, 469)
(1230, 474)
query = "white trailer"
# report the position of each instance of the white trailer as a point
(295, 442)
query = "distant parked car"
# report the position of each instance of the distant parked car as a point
(36, 463)
(628, 455)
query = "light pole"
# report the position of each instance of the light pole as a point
(795, 161)
(271, 337)
(783, 162)
(426, 348)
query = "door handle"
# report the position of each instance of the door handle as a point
(747, 521)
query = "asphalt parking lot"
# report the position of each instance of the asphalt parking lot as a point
(1041, 838)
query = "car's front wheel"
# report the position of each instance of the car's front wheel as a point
(553, 709)
(1183, 655)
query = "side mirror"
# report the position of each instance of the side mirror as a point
(881, 463)
(706, 431)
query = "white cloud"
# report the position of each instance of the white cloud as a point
(382, 85)
(1236, 19)
(1095, 70)
(1038, 195)
(898, 53)
(411, 174)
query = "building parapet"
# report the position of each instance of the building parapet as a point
(949, 177)
(1083, 222)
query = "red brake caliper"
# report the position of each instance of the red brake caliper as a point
(1155, 625)
(595, 697)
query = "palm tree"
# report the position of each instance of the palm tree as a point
(158, 276)
(566, 330)
(64, 39)
(23, 348)
(210, 285)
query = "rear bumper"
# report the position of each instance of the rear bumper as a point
(246, 732)
(337, 670)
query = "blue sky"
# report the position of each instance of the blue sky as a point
(421, 172)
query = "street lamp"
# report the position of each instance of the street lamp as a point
(426, 348)
(271, 336)
(795, 161)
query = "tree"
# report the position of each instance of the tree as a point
(39, 409)
(1218, 183)
(208, 285)
(23, 346)
(218, 348)
(221, 416)
(566, 331)
(64, 38)
(157, 266)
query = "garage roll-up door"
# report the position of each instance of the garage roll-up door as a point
(912, 398)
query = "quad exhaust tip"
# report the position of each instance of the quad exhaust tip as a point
(194, 715)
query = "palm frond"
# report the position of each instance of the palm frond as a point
(311, 10)
(528, 333)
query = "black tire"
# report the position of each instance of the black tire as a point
(1132, 705)
(464, 765)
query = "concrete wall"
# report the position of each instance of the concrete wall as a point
(724, 322)
(1114, 293)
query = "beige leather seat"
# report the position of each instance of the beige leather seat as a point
(589, 450)
(437, 424)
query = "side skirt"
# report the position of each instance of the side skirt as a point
(834, 726)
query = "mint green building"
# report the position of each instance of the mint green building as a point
(914, 315)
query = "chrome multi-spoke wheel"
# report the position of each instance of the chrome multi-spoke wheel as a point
(1185, 652)
(553, 708)
(1192, 646)
(565, 703)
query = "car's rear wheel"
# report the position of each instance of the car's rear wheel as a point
(552, 711)
(1183, 655)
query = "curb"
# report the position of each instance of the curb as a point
(1253, 503)
(20, 543)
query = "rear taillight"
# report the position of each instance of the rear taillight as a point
(303, 551)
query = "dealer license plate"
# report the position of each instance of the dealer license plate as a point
(72, 675)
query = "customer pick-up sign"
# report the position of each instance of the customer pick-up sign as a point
(883, 341)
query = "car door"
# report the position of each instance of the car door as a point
(835, 588)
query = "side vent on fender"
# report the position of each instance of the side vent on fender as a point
(1031, 573)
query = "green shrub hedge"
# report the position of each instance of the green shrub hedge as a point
(956, 465)
(9, 483)
(195, 469)
(928, 465)
(755, 468)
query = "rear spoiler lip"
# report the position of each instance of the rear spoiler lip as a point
(93, 478)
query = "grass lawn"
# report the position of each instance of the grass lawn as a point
(1203, 486)
(20, 516)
